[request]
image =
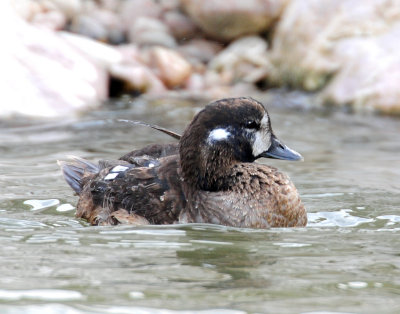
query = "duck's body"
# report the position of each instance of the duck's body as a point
(209, 177)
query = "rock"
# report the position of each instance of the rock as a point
(53, 20)
(89, 26)
(195, 83)
(245, 60)
(150, 31)
(200, 50)
(349, 53)
(50, 14)
(68, 8)
(45, 14)
(138, 77)
(100, 24)
(168, 5)
(102, 54)
(134, 72)
(44, 74)
(180, 26)
(153, 70)
(111, 5)
(131, 10)
(230, 19)
(26, 9)
(171, 67)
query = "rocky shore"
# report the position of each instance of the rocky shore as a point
(61, 57)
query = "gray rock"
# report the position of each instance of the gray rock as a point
(226, 20)
(150, 31)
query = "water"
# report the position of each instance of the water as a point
(347, 260)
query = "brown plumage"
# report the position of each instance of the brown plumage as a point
(208, 177)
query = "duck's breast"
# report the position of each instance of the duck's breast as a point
(260, 197)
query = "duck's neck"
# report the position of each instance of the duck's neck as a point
(205, 169)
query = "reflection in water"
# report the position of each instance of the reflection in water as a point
(230, 255)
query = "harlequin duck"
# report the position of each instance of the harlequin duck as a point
(208, 177)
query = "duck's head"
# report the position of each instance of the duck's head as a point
(224, 133)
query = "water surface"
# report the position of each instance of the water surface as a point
(347, 260)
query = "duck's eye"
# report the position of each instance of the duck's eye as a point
(252, 124)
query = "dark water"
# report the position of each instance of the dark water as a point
(347, 260)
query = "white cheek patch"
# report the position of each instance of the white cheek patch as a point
(219, 134)
(262, 138)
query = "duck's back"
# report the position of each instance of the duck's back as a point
(154, 151)
(123, 192)
(139, 189)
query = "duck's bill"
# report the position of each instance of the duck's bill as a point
(279, 150)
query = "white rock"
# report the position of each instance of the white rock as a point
(346, 50)
(43, 74)
(150, 31)
(245, 59)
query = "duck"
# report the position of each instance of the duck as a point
(210, 175)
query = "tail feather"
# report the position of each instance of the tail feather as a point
(74, 170)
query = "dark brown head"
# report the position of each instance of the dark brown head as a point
(224, 133)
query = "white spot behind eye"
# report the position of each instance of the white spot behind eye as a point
(219, 134)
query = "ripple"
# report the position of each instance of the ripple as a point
(353, 285)
(41, 204)
(145, 310)
(392, 219)
(151, 231)
(41, 294)
(39, 309)
(341, 218)
(11, 224)
(142, 244)
(65, 208)
(322, 195)
(136, 295)
(291, 244)
(66, 236)
(211, 242)
(326, 312)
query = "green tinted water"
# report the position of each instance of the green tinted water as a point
(346, 261)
